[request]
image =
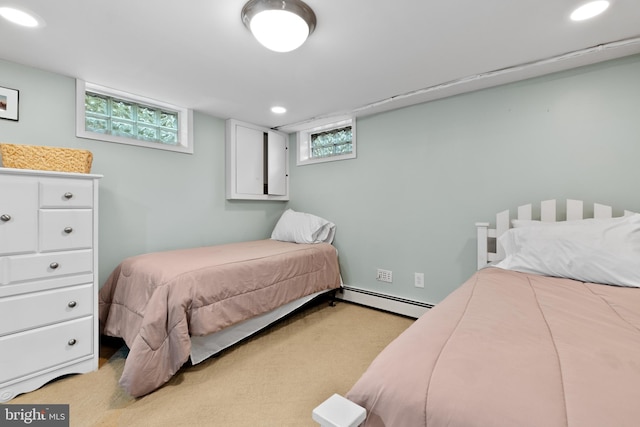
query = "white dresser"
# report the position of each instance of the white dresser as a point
(48, 277)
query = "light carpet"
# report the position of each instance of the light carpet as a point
(275, 378)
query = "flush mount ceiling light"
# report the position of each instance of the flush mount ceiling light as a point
(589, 10)
(279, 25)
(20, 17)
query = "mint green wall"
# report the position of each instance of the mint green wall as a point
(149, 199)
(425, 174)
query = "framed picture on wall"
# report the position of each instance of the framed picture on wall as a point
(8, 103)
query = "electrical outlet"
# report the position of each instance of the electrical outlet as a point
(419, 280)
(384, 276)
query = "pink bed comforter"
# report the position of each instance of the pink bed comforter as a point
(156, 301)
(512, 349)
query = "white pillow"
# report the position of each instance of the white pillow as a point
(592, 250)
(518, 223)
(300, 227)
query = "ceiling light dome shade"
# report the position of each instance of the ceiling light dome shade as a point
(279, 25)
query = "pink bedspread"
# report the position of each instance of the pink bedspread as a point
(156, 301)
(512, 349)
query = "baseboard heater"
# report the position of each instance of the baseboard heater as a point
(405, 307)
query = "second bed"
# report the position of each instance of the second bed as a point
(171, 306)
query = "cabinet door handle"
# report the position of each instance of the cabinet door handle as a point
(72, 304)
(72, 341)
(5, 217)
(54, 265)
(68, 195)
(68, 230)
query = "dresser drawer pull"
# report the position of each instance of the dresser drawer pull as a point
(72, 304)
(68, 195)
(54, 265)
(72, 341)
(5, 217)
(68, 230)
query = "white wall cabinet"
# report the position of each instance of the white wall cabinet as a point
(48, 277)
(257, 162)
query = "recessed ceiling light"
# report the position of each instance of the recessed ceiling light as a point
(278, 110)
(589, 10)
(20, 17)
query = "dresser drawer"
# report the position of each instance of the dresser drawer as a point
(20, 268)
(21, 312)
(66, 193)
(28, 352)
(18, 215)
(65, 229)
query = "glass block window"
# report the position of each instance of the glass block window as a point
(108, 115)
(327, 142)
(113, 116)
(333, 142)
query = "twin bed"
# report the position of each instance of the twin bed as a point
(174, 306)
(546, 333)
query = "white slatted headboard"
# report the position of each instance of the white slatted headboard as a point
(548, 212)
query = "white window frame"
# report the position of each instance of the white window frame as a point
(303, 142)
(185, 119)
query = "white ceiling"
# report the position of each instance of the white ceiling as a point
(365, 56)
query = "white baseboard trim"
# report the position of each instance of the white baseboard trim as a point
(405, 307)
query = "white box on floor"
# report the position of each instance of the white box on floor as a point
(338, 411)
